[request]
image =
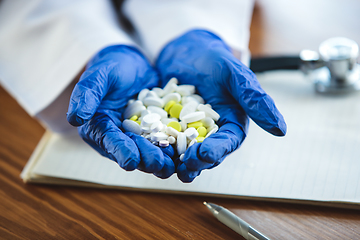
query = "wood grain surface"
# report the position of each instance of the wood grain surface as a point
(30, 211)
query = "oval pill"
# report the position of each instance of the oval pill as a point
(193, 117)
(169, 87)
(175, 125)
(175, 110)
(181, 158)
(159, 136)
(176, 97)
(198, 98)
(131, 126)
(158, 91)
(186, 89)
(189, 107)
(158, 110)
(181, 143)
(209, 111)
(142, 94)
(153, 101)
(171, 131)
(134, 108)
(207, 122)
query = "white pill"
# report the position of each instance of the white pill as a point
(192, 142)
(130, 101)
(159, 136)
(158, 110)
(156, 126)
(153, 101)
(131, 126)
(171, 139)
(198, 98)
(193, 117)
(186, 90)
(214, 130)
(134, 108)
(158, 91)
(150, 119)
(191, 133)
(174, 119)
(145, 129)
(144, 112)
(181, 143)
(183, 126)
(209, 129)
(176, 97)
(151, 94)
(172, 80)
(163, 143)
(171, 131)
(207, 122)
(166, 121)
(181, 158)
(189, 107)
(142, 94)
(169, 88)
(208, 105)
(209, 112)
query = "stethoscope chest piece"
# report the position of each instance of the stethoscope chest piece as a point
(334, 69)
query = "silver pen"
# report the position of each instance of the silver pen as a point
(235, 223)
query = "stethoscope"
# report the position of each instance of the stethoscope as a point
(332, 70)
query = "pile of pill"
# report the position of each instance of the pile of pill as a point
(170, 115)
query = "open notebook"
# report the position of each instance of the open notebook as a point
(318, 160)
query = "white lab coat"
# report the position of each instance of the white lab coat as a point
(44, 44)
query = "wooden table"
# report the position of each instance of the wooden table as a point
(49, 212)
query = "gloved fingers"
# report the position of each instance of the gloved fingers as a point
(233, 128)
(86, 96)
(214, 148)
(152, 158)
(169, 151)
(104, 136)
(186, 175)
(168, 168)
(258, 105)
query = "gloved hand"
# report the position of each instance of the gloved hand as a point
(115, 75)
(204, 60)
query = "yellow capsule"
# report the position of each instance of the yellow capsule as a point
(200, 139)
(195, 125)
(202, 131)
(175, 125)
(134, 118)
(175, 110)
(169, 105)
(138, 122)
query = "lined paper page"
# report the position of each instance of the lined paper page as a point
(318, 159)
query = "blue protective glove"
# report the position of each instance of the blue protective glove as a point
(115, 75)
(204, 60)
